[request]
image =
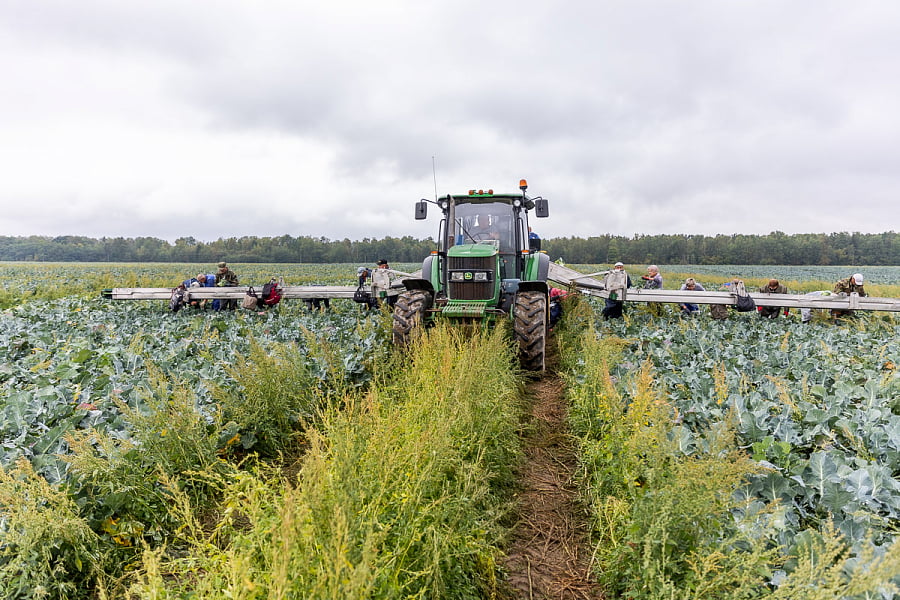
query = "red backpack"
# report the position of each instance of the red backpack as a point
(271, 293)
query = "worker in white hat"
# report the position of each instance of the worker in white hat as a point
(845, 287)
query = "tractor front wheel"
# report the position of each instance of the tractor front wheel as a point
(409, 314)
(530, 326)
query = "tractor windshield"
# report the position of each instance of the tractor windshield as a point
(485, 223)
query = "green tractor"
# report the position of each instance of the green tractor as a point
(487, 267)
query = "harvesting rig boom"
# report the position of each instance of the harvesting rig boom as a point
(593, 285)
(234, 293)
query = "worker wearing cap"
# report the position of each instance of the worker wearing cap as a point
(773, 287)
(381, 283)
(614, 306)
(225, 277)
(845, 287)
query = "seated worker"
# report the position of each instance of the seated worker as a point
(534, 241)
(690, 285)
(317, 303)
(204, 280)
(483, 230)
(773, 287)
(556, 309)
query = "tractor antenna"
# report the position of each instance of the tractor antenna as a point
(434, 174)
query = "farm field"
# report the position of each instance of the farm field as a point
(21, 281)
(291, 453)
(698, 437)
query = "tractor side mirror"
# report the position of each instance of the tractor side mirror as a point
(540, 208)
(421, 210)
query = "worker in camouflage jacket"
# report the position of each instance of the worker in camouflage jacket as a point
(845, 287)
(225, 277)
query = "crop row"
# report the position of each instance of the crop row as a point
(812, 410)
(70, 362)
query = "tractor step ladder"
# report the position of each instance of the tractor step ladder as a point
(464, 309)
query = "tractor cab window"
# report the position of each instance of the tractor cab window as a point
(485, 223)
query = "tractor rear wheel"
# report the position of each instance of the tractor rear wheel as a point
(530, 326)
(409, 314)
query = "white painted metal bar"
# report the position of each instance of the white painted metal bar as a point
(594, 287)
(833, 302)
(236, 293)
(586, 284)
(567, 276)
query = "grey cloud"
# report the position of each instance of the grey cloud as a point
(660, 111)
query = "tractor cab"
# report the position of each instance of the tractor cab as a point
(483, 223)
(491, 225)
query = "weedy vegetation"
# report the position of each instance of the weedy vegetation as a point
(293, 454)
(740, 459)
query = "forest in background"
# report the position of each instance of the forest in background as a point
(776, 248)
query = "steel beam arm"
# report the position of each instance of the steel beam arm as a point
(591, 286)
(236, 293)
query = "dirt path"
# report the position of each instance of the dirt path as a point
(549, 555)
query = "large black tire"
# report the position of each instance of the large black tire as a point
(409, 315)
(530, 326)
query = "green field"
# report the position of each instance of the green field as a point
(294, 453)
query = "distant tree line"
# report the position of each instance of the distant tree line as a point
(248, 249)
(776, 248)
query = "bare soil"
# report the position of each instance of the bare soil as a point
(549, 554)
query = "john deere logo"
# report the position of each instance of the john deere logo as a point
(468, 276)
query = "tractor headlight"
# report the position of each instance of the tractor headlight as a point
(481, 276)
(457, 276)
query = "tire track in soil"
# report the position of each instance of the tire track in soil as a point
(549, 552)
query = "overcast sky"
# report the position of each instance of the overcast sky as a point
(218, 119)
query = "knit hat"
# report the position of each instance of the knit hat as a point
(222, 265)
(618, 264)
(858, 278)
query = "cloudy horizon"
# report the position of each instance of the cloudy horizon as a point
(216, 120)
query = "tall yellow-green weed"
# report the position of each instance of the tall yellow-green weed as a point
(672, 524)
(400, 494)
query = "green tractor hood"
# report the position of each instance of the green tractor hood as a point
(472, 250)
